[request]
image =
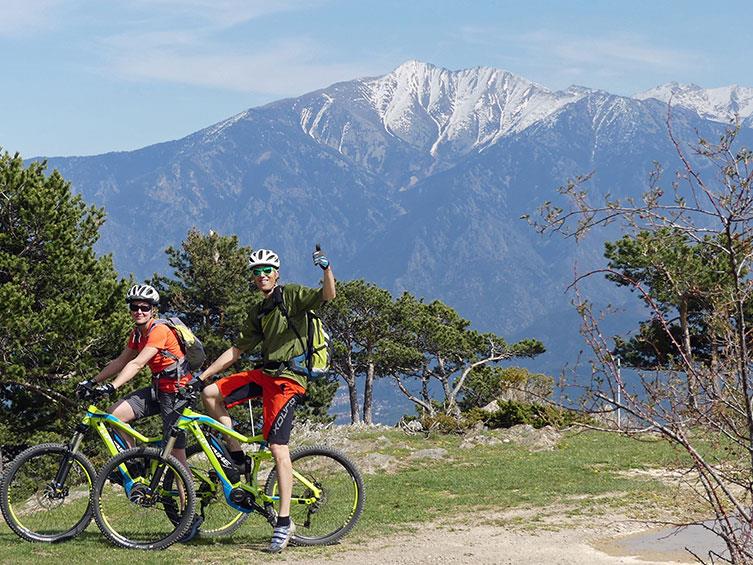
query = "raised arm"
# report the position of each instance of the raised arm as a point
(328, 284)
(328, 280)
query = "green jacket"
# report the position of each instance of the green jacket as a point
(279, 343)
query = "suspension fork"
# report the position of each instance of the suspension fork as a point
(73, 447)
(160, 470)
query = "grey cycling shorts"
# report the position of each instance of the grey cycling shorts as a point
(143, 404)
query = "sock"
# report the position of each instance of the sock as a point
(282, 521)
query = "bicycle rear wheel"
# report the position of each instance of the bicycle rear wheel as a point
(324, 518)
(34, 507)
(137, 516)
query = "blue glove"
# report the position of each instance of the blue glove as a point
(320, 259)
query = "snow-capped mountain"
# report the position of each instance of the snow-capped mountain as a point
(415, 180)
(434, 114)
(721, 104)
(430, 107)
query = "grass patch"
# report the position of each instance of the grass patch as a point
(584, 474)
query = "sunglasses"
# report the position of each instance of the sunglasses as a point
(140, 307)
(259, 271)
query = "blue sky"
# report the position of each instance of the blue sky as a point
(84, 77)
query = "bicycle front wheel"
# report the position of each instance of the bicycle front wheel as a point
(38, 509)
(142, 500)
(328, 495)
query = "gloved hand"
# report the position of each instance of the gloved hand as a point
(106, 390)
(191, 390)
(195, 385)
(85, 388)
(320, 259)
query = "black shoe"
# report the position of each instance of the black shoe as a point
(236, 469)
(115, 477)
(193, 529)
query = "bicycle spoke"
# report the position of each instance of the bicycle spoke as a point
(327, 495)
(138, 516)
(35, 507)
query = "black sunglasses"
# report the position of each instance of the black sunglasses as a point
(139, 307)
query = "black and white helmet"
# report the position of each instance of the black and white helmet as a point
(262, 257)
(143, 292)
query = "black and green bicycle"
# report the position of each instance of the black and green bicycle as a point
(154, 506)
(45, 491)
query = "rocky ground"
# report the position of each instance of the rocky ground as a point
(460, 542)
(608, 539)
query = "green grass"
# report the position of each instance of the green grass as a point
(585, 474)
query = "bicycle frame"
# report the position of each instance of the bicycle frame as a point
(323, 478)
(191, 421)
(98, 420)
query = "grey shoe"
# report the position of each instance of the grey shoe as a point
(281, 537)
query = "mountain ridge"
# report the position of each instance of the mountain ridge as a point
(433, 208)
(721, 104)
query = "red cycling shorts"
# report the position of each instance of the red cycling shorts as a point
(279, 397)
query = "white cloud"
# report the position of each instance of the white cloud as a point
(577, 54)
(286, 68)
(183, 42)
(23, 17)
(219, 13)
(617, 51)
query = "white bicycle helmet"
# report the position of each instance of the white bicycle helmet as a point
(143, 292)
(263, 257)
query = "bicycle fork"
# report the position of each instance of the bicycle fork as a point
(159, 471)
(58, 489)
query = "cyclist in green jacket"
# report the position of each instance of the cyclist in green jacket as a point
(276, 381)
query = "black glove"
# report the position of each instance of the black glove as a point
(85, 388)
(195, 385)
(103, 391)
(191, 389)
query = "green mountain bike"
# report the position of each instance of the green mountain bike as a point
(154, 507)
(45, 491)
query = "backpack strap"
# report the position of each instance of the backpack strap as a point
(278, 301)
(284, 310)
(176, 366)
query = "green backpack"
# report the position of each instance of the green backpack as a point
(316, 358)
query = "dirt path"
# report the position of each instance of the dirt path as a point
(491, 544)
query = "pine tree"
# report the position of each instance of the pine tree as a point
(62, 314)
(211, 289)
(359, 319)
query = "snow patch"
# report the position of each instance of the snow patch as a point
(431, 107)
(213, 132)
(720, 104)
